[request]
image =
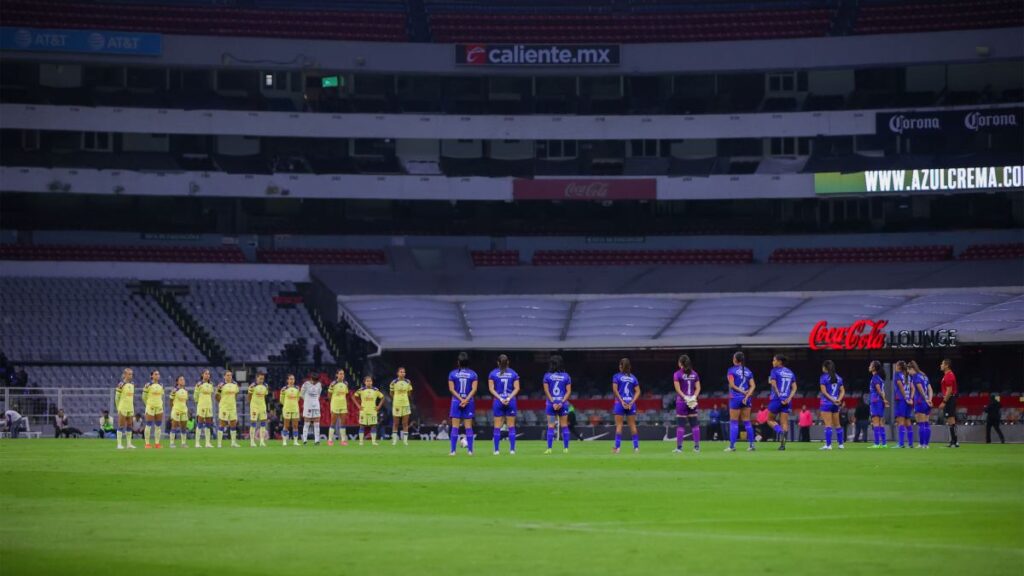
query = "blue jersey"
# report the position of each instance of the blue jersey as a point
(877, 383)
(832, 388)
(902, 387)
(463, 379)
(626, 385)
(557, 383)
(784, 380)
(504, 382)
(742, 378)
(919, 380)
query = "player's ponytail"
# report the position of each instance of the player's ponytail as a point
(685, 364)
(625, 366)
(555, 363)
(503, 364)
(463, 360)
(740, 358)
(830, 367)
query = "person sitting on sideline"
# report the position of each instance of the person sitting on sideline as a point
(106, 425)
(16, 423)
(62, 426)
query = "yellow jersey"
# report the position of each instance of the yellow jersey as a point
(338, 393)
(368, 400)
(179, 400)
(290, 399)
(258, 402)
(400, 391)
(203, 395)
(227, 394)
(153, 395)
(125, 398)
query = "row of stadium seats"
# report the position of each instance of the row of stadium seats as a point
(872, 254)
(206, 20)
(643, 257)
(320, 256)
(888, 17)
(99, 253)
(372, 257)
(86, 320)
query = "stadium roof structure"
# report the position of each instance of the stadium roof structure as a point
(595, 321)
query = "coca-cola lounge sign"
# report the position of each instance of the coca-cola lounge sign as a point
(585, 189)
(871, 335)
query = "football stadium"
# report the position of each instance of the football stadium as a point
(515, 286)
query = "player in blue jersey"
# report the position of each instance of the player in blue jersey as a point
(879, 403)
(557, 388)
(687, 383)
(903, 403)
(462, 383)
(626, 388)
(832, 394)
(783, 383)
(741, 389)
(503, 383)
(922, 403)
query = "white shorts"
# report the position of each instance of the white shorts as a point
(311, 412)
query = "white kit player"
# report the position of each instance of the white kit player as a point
(310, 393)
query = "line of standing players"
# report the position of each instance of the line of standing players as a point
(913, 397)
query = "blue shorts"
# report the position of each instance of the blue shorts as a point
(563, 411)
(901, 409)
(738, 404)
(460, 412)
(777, 407)
(620, 410)
(922, 409)
(500, 410)
(877, 410)
(829, 407)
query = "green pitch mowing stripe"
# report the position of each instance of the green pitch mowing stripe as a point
(80, 507)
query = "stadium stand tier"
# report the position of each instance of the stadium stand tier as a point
(849, 255)
(322, 256)
(639, 257)
(87, 320)
(1008, 251)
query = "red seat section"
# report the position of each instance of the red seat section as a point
(639, 257)
(103, 253)
(885, 18)
(207, 20)
(1010, 251)
(855, 255)
(629, 28)
(495, 257)
(322, 256)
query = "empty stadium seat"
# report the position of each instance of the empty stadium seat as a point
(104, 253)
(321, 256)
(1010, 251)
(495, 257)
(639, 257)
(859, 255)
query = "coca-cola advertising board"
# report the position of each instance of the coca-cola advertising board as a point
(585, 189)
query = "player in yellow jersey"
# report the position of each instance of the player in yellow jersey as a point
(124, 401)
(179, 412)
(401, 407)
(153, 396)
(257, 396)
(290, 410)
(203, 397)
(369, 400)
(338, 393)
(227, 404)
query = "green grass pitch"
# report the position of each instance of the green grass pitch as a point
(80, 507)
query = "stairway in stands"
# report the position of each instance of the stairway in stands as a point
(189, 326)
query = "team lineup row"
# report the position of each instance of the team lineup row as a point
(912, 402)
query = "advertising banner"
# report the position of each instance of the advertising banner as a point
(949, 121)
(585, 189)
(921, 180)
(532, 55)
(85, 41)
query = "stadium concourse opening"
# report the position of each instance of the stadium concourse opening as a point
(520, 286)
